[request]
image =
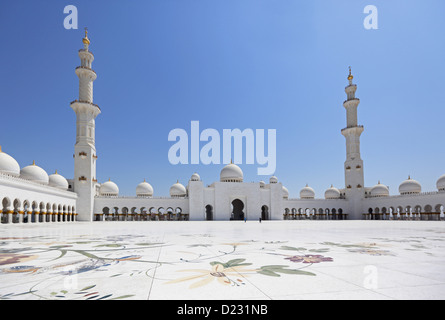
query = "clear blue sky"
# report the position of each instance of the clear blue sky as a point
(229, 64)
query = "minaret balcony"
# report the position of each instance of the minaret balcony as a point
(358, 126)
(87, 102)
(86, 51)
(351, 86)
(86, 70)
(356, 130)
(353, 101)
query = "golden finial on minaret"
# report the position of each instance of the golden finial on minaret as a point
(350, 76)
(1, 149)
(33, 162)
(85, 40)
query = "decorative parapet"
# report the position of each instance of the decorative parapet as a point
(427, 193)
(136, 197)
(314, 199)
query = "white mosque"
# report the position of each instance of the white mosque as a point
(30, 195)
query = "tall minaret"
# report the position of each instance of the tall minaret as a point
(354, 177)
(84, 149)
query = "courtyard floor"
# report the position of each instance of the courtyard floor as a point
(215, 260)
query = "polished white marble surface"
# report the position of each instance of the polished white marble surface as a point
(285, 260)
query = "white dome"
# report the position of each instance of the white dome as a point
(178, 190)
(58, 181)
(379, 190)
(231, 173)
(410, 186)
(307, 193)
(332, 193)
(109, 188)
(273, 179)
(285, 192)
(8, 165)
(144, 189)
(262, 184)
(441, 183)
(34, 173)
(195, 177)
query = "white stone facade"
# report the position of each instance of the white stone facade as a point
(27, 201)
(30, 195)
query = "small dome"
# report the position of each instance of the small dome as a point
(34, 173)
(144, 189)
(285, 193)
(195, 177)
(410, 186)
(332, 193)
(8, 165)
(178, 190)
(109, 188)
(273, 179)
(58, 181)
(379, 190)
(441, 183)
(231, 173)
(307, 193)
(262, 184)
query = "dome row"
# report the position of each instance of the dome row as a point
(9, 166)
(230, 173)
(144, 189)
(309, 193)
(407, 187)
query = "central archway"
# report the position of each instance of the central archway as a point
(264, 213)
(209, 212)
(237, 212)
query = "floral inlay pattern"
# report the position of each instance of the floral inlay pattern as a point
(309, 258)
(81, 266)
